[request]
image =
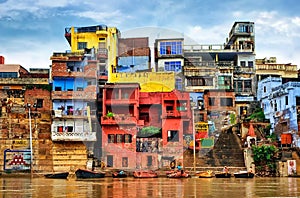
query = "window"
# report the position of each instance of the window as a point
(39, 103)
(149, 160)
(247, 85)
(57, 89)
(111, 138)
(199, 81)
(178, 84)
(125, 95)
(173, 66)
(200, 105)
(297, 101)
(169, 108)
(224, 81)
(239, 86)
(116, 94)
(127, 138)
(286, 100)
(211, 101)
(173, 136)
(81, 45)
(124, 161)
(227, 102)
(173, 48)
(275, 105)
(250, 63)
(201, 117)
(110, 161)
(60, 129)
(119, 138)
(69, 128)
(8, 74)
(243, 110)
(243, 63)
(265, 89)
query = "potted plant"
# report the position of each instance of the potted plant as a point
(110, 115)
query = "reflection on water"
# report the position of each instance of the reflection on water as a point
(152, 187)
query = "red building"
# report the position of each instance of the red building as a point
(220, 106)
(143, 130)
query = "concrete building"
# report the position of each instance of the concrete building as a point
(220, 107)
(124, 146)
(281, 104)
(269, 67)
(169, 58)
(25, 116)
(133, 55)
(77, 76)
(228, 66)
(104, 41)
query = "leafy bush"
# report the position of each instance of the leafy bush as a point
(265, 156)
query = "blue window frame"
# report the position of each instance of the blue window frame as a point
(171, 48)
(178, 84)
(8, 74)
(173, 66)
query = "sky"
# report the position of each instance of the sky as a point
(31, 30)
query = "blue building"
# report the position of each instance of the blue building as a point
(280, 103)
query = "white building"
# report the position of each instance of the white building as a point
(280, 102)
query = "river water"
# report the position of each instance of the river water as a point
(152, 187)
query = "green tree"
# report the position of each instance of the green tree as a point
(265, 157)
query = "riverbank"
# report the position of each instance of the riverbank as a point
(108, 172)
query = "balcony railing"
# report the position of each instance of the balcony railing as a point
(248, 70)
(118, 119)
(211, 64)
(85, 95)
(73, 136)
(199, 72)
(217, 47)
(280, 67)
(79, 114)
(175, 113)
(102, 53)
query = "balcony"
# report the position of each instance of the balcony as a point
(73, 136)
(278, 67)
(89, 71)
(76, 114)
(119, 119)
(120, 101)
(245, 70)
(225, 64)
(102, 53)
(175, 114)
(218, 48)
(67, 56)
(210, 64)
(89, 93)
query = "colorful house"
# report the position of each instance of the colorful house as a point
(129, 113)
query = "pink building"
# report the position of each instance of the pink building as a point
(143, 130)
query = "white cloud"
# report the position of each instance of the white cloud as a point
(33, 53)
(212, 35)
(112, 17)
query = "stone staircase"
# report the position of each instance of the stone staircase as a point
(227, 151)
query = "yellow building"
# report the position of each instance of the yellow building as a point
(102, 39)
(269, 67)
(149, 81)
